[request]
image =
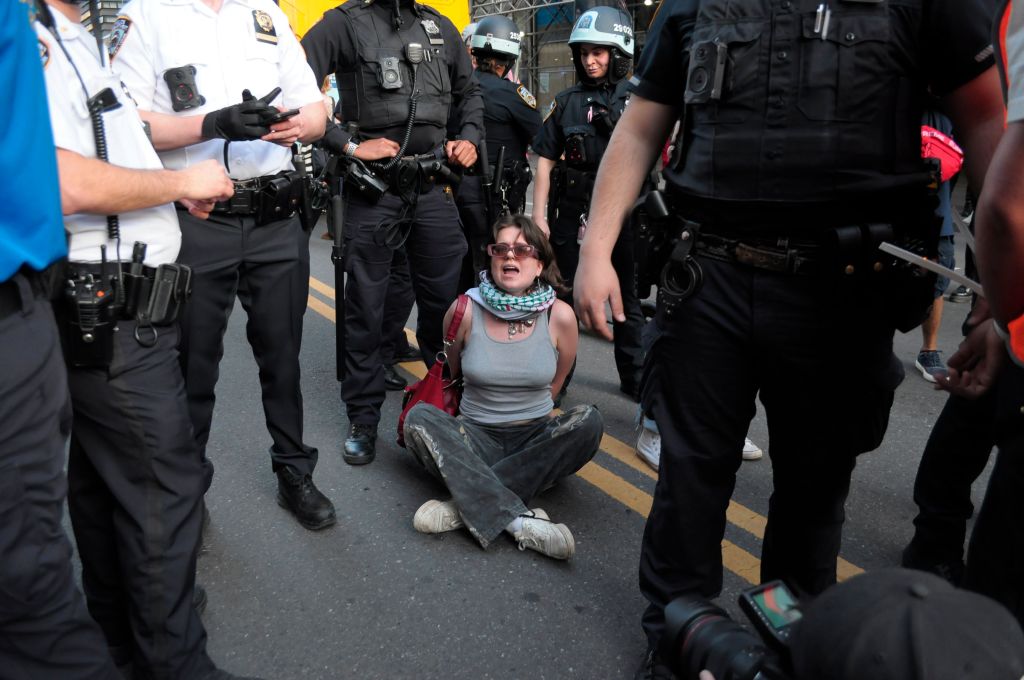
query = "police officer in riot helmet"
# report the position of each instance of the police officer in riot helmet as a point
(511, 120)
(402, 73)
(571, 143)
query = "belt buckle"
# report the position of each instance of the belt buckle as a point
(762, 259)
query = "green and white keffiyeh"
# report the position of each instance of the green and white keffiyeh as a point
(512, 307)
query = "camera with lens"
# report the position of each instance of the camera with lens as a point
(699, 636)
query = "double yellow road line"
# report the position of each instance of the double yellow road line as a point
(736, 559)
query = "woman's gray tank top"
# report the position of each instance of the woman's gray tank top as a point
(507, 381)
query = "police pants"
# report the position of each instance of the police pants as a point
(957, 451)
(995, 555)
(435, 247)
(45, 629)
(469, 198)
(136, 482)
(748, 331)
(627, 335)
(267, 267)
(397, 307)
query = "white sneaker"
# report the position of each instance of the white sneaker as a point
(648, 447)
(541, 534)
(437, 517)
(751, 451)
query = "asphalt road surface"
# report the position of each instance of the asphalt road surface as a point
(372, 598)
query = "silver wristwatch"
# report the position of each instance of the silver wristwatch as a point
(350, 148)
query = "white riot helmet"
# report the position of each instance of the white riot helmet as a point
(609, 27)
(467, 33)
(496, 35)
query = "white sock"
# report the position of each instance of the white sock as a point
(515, 525)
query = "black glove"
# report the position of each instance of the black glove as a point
(244, 121)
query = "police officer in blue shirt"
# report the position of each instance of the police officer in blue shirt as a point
(510, 121)
(44, 624)
(800, 151)
(570, 146)
(402, 73)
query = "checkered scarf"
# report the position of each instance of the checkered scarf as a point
(512, 307)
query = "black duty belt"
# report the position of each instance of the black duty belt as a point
(781, 255)
(10, 291)
(97, 269)
(268, 198)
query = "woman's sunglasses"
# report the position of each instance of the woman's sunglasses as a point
(520, 250)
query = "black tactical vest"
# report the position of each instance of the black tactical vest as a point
(589, 114)
(363, 98)
(811, 107)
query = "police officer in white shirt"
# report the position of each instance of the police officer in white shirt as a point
(186, 63)
(135, 475)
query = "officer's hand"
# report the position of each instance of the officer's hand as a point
(596, 283)
(200, 209)
(287, 132)
(461, 152)
(542, 222)
(974, 367)
(706, 675)
(206, 181)
(243, 121)
(376, 149)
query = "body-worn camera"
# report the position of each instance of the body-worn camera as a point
(700, 636)
(706, 73)
(181, 81)
(389, 73)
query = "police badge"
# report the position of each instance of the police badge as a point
(433, 31)
(264, 24)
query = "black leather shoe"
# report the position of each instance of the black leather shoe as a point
(408, 353)
(297, 494)
(392, 380)
(199, 599)
(652, 668)
(361, 444)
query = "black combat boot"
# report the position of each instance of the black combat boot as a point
(297, 494)
(361, 445)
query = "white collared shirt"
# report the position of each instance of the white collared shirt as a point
(127, 145)
(230, 51)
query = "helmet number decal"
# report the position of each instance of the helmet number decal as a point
(622, 28)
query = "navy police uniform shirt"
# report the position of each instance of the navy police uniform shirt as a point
(30, 224)
(511, 119)
(577, 111)
(810, 109)
(331, 47)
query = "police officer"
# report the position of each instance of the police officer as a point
(44, 624)
(402, 72)
(786, 177)
(186, 64)
(135, 474)
(510, 122)
(570, 147)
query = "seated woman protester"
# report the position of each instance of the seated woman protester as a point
(513, 350)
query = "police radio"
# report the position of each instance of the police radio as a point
(706, 73)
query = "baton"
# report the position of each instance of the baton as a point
(336, 218)
(931, 266)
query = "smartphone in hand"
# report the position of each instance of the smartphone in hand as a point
(281, 116)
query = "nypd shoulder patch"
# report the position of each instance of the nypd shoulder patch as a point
(551, 109)
(44, 53)
(527, 96)
(118, 33)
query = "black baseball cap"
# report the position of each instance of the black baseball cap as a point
(899, 624)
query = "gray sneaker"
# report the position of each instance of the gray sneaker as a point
(437, 517)
(541, 534)
(961, 294)
(930, 363)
